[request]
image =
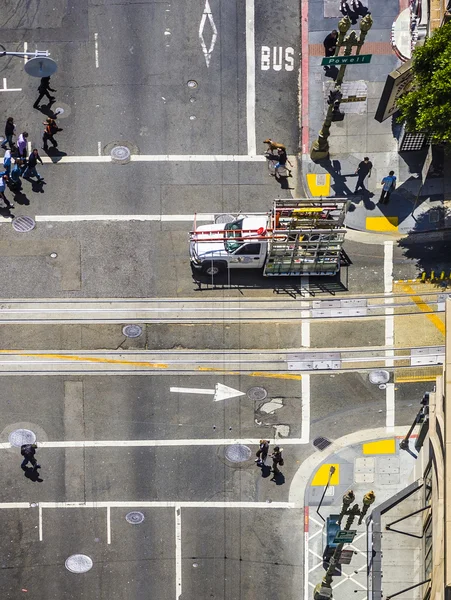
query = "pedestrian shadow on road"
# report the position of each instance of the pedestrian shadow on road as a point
(55, 154)
(366, 196)
(46, 109)
(284, 183)
(21, 198)
(339, 184)
(37, 186)
(32, 474)
(266, 471)
(279, 479)
(5, 211)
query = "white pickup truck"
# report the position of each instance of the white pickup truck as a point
(298, 237)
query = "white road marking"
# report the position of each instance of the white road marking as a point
(99, 148)
(158, 443)
(207, 14)
(221, 392)
(251, 157)
(40, 523)
(108, 524)
(306, 564)
(7, 89)
(96, 49)
(389, 334)
(29, 147)
(178, 552)
(305, 381)
(25, 49)
(152, 504)
(209, 217)
(250, 77)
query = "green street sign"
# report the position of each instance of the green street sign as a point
(359, 59)
(345, 536)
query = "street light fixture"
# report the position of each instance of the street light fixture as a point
(39, 64)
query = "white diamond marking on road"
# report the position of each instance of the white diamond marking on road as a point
(207, 14)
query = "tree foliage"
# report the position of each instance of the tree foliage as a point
(427, 107)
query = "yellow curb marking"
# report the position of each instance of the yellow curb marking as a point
(380, 447)
(382, 223)
(322, 475)
(434, 319)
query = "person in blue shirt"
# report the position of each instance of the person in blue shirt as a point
(388, 185)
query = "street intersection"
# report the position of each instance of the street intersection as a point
(146, 471)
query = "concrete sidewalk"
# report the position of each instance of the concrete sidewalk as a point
(413, 207)
(376, 465)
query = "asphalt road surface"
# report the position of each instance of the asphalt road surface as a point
(157, 489)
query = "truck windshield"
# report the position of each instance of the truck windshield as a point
(233, 231)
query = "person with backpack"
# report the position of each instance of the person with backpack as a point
(44, 89)
(10, 129)
(51, 128)
(277, 461)
(14, 179)
(388, 185)
(28, 451)
(262, 453)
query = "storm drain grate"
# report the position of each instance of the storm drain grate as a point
(257, 393)
(23, 224)
(237, 453)
(134, 517)
(79, 563)
(19, 437)
(321, 443)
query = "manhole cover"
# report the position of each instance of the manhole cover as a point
(192, 84)
(53, 255)
(132, 331)
(257, 393)
(321, 443)
(238, 453)
(59, 110)
(120, 154)
(225, 218)
(23, 224)
(379, 376)
(19, 437)
(135, 517)
(78, 563)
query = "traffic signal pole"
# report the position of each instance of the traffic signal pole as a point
(320, 147)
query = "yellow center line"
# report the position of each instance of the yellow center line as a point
(91, 359)
(424, 307)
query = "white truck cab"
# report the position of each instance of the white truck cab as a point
(216, 247)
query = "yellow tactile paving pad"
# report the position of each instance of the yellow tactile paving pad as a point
(382, 223)
(380, 447)
(322, 475)
(318, 184)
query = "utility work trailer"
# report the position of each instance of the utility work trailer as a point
(297, 237)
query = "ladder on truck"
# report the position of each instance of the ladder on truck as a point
(307, 237)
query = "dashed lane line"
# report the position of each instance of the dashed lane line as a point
(64, 160)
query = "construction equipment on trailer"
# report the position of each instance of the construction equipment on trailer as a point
(298, 237)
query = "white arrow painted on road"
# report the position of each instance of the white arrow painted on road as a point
(221, 392)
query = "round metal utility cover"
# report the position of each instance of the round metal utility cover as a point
(224, 218)
(59, 111)
(19, 437)
(134, 517)
(132, 331)
(120, 155)
(378, 377)
(79, 563)
(257, 393)
(23, 224)
(237, 453)
(192, 84)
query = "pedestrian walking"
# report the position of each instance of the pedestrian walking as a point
(7, 162)
(283, 160)
(51, 128)
(44, 89)
(3, 180)
(363, 170)
(330, 43)
(14, 179)
(10, 129)
(273, 146)
(28, 451)
(22, 144)
(277, 460)
(262, 452)
(388, 185)
(31, 171)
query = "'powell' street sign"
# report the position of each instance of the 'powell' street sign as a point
(358, 59)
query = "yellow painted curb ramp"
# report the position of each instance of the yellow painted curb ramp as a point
(380, 447)
(322, 475)
(318, 184)
(381, 223)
